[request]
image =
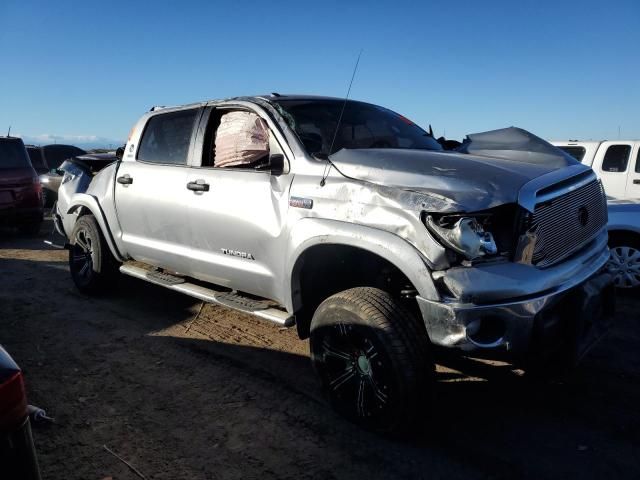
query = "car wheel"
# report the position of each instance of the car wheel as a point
(32, 228)
(93, 267)
(372, 359)
(624, 262)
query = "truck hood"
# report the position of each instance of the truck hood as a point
(473, 181)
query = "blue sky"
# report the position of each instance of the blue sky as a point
(85, 71)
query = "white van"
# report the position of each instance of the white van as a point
(617, 163)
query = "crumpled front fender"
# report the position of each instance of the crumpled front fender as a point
(310, 232)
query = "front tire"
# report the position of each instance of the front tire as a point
(93, 267)
(373, 359)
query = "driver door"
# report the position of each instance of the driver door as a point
(237, 220)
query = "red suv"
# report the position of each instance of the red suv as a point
(20, 190)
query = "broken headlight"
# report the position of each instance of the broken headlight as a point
(464, 235)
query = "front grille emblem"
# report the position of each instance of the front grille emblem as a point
(583, 216)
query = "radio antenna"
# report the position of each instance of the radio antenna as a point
(327, 168)
(9, 132)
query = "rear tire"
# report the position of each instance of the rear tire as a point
(93, 267)
(373, 360)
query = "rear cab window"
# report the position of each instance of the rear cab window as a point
(616, 158)
(167, 137)
(13, 154)
(575, 152)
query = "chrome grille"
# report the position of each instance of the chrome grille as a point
(567, 222)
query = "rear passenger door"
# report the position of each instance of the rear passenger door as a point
(612, 165)
(150, 192)
(633, 179)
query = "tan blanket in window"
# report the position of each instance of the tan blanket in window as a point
(241, 139)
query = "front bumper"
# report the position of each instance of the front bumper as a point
(572, 315)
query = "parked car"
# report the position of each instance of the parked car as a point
(617, 163)
(624, 242)
(47, 160)
(17, 452)
(20, 188)
(350, 222)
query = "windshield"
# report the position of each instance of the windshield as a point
(363, 126)
(13, 154)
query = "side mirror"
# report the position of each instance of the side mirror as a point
(120, 153)
(276, 164)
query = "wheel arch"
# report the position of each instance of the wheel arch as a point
(330, 256)
(84, 204)
(617, 234)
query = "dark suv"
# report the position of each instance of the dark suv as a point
(20, 188)
(46, 160)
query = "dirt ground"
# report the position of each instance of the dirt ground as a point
(227, 396)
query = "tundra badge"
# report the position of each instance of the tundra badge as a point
(237, 253)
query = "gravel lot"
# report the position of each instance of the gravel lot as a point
(226, 396)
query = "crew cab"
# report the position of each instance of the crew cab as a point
(616, 162)
(349, 222)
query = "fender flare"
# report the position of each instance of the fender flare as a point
(84, 200)
(310, 232)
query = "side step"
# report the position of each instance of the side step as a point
(262, 309)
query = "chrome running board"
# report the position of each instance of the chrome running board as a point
(236, 301)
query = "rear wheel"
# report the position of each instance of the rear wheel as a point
(373, 359)
(93, 267)
(624, 261)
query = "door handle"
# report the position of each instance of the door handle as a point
(125, 179)
(198, 186)
(636, 181)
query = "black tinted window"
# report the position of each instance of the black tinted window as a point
(616, 158)
(35, 155)
(362, 126)
(13, 154)
(56, 154)
(167, 136)
(575, 152)
(638, 162)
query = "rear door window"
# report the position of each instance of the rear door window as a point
(13, 155)
(616, 158)
(167, 137)
(575, 152)
(638, 162)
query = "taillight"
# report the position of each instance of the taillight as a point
(13, 402)
(37, 187)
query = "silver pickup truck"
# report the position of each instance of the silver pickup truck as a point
(351, 223)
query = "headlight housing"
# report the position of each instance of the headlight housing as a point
(464, 235)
